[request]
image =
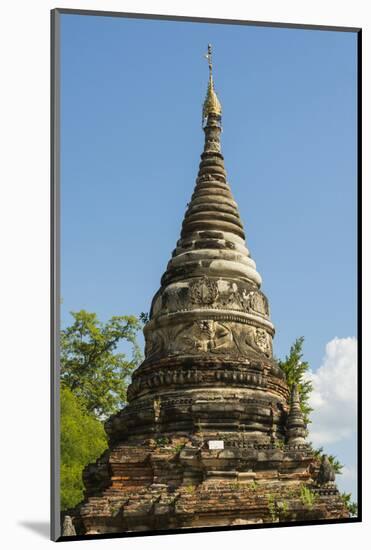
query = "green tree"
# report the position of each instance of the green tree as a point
(351, 506)
(295, 369)
(90, 365)
(335, 463)
(144, 317)
(83, 440)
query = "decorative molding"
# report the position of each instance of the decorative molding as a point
(203, 291)
(182, 377)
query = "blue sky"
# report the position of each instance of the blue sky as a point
(131, 100)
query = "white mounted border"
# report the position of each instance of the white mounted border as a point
(25, 226)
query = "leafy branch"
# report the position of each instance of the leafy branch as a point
(351, 506)
(335, 463)
(91, 366)
(295, 369)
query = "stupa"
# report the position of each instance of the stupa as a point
(212, 435)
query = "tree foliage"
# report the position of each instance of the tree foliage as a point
(90, 365)
(83, 439)
(335, 463)
(94, 379)
(351, 506)
(144, 317)
(295, 369)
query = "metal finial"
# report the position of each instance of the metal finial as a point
(208, 56)
(211, 103)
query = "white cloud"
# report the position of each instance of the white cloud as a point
(334, 397)
(347, 481)
(349, 473)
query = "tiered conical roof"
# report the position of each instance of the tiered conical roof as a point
(212, 238)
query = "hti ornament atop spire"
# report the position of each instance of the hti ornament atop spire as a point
(212, 104)
(208, 56)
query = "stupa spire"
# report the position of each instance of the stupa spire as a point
(209, 303)
(212, 240)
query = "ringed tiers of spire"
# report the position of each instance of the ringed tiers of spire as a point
(212, 240)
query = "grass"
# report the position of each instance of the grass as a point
(307, 497)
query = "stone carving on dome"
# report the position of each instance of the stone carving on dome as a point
(204, 336)
(245, 299)
(230, 297)
(259, 303)
(173, 299)
(203, 291)
(155, 343)
(244, 338)
(262, 341)
(208, 336)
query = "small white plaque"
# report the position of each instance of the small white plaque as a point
(216, 444)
